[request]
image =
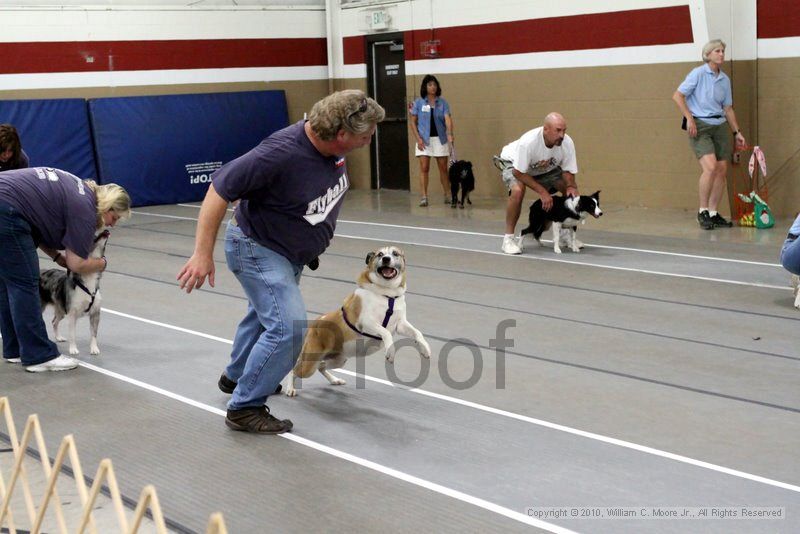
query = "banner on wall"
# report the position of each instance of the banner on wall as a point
(163, 149)
(54, 133)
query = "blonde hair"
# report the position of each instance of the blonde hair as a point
(711, 45)
(110, 197)
(351, 110)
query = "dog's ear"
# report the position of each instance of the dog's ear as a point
(369, 257)
(596, 194)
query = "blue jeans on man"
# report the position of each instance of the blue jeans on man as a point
(269, 338)
(21, 324)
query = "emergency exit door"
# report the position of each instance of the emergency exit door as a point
(387, 81)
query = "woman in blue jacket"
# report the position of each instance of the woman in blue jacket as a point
(433, 130)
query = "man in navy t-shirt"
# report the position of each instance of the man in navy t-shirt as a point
(290, 189)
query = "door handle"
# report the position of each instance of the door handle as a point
(395, 119)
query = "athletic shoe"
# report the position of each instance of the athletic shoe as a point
(704, 219)
(13, 360)
(511, 245)
(720, 221)
(423, 202)
(61, 363)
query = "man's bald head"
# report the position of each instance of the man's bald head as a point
(555, 128)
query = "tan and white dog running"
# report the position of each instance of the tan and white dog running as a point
(365, 324)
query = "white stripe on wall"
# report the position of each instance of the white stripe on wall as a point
(159, 77)
(776, 48)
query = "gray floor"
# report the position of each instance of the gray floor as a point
(656, 370)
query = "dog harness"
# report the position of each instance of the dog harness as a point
(104, 233)
(389, 312)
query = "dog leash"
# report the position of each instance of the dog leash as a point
(389, 312)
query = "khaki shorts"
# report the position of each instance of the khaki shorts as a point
(435, 149)
(712, 139)
(549, 180)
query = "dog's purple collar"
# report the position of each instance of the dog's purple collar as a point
(389, 312)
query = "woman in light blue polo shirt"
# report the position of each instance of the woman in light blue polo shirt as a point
(705, 101)
(433, 136)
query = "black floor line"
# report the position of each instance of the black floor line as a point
(635, 377)
(499, 308)
(561, 362)
(748, 313)
(127, 501)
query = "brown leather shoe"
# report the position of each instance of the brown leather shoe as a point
(257, 420)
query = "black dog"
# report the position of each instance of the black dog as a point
(461, 176)
(563, 216)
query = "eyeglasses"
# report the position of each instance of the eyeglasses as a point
(361, 109)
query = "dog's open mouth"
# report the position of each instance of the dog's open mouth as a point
(387, 272)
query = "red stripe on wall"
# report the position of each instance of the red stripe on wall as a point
(93, 56)
(641, 27)
(778, 18)
(354, 50)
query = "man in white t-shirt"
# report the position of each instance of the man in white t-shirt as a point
(542, 159)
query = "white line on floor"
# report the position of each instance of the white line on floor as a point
(394, 473)
(498, 236)
(586, 264)
(137, 212)
(496, 411)
(582, 263)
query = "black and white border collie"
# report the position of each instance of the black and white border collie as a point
(563, 217)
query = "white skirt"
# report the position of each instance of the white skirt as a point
(435, 149)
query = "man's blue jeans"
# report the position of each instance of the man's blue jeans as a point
(21, 324)
(269, 338)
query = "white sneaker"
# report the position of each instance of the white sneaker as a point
(62, 363)
(13, 360)
(511, 245)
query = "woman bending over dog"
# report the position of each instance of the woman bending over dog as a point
(53, 210)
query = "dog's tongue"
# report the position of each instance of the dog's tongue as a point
(388, 272)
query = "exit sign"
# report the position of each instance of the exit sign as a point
(379, 20)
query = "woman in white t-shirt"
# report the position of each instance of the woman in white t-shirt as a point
(433, 130)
